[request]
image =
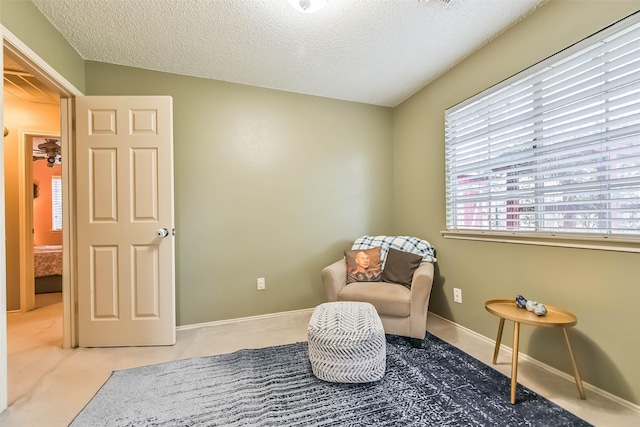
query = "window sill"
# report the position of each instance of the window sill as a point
(614, 243)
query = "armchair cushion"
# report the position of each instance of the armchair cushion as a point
(400, 266)
(388, 299)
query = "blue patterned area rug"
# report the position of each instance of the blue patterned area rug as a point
(437, 385)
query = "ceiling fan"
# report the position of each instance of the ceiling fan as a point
(49, 150)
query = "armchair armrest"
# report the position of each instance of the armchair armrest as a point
(420, 294)
(334, 278)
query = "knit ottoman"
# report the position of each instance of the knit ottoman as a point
(347, 342)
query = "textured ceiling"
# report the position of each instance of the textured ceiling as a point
(372, 51)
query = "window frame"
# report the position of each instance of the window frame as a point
(56, 199)
(616, 242)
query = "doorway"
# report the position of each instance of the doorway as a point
(43, 225)
(29, 107)
(50, 79)
(31, 115)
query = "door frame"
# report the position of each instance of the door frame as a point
(42, 71)
(25, 215)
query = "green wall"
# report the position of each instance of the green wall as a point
(267, 184)
(26, 22)
(600, 287)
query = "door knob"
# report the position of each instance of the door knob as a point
(162, 232)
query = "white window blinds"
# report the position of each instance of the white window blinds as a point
(56, 203)
(555, 148)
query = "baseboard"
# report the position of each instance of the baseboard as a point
(506, 349)
(244, 319)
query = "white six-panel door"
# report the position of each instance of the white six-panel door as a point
(124, 171)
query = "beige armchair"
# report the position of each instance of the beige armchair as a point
(403, 311)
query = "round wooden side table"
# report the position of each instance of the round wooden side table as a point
(555, 318)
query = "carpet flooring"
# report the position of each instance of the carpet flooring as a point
(437, 385)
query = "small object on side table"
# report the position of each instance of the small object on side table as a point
(521, 301)
(540, 309)
(531, 305)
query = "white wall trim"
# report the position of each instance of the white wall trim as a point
(508, 350)
(243, 319)
(4, 391)
(562, 240)
(69, 279)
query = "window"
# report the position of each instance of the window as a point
(56, 203)
(555, 148)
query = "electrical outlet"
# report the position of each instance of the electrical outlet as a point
(261, 283)
(457, 295)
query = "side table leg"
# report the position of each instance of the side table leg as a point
(514, 361)
(498, 340)
(575, 367)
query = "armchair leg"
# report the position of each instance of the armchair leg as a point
(416, 343)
